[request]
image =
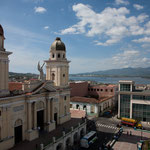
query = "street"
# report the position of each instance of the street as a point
(105, 127)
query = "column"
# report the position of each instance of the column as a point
(130, 106)
(35, 116)
(52, 110)
(29, 116)
(48, 110)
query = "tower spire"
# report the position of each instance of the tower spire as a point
(4, 65)
(57, 67)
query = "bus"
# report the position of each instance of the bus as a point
(88, 139)
(131, 122)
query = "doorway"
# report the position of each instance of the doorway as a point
(55, 118)
(18, 134)
(40, 119)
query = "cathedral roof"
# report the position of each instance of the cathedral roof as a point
(58, 45)
(1, 30)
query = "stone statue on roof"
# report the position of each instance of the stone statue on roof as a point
(40, 69)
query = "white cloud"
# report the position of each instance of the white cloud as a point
(40, 10)
(138, 7)
(124, 59)
(142, 40)
(46, 27)
(111, 25)
(120, 2)
(130, 58)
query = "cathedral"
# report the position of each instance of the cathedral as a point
(42, 107)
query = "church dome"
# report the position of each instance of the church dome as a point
(58, 45)
(1, 30)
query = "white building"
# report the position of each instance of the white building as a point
(92, 106)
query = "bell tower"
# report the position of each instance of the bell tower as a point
(4, 64)
(57, 67)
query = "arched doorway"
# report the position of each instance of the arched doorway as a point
(59, 146)
(40, 115)
(77, 106)
(68, 143)
(75, 138)
(55, 115)
(81, 133)
(18, 131)
(84, 107)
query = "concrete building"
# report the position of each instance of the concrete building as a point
(41, 108)
(132, 102)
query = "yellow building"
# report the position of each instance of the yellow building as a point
(43, 108)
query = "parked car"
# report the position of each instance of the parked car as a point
(119, 125)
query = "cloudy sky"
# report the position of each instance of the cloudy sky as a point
(98, 34)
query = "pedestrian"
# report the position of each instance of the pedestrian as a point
(130, 133)
(39, 128)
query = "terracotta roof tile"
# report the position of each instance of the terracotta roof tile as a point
(89, 100)
(15, 86)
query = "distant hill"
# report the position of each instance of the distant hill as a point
(14, 75)
(142, 72)
(22, 74)
(125, 72)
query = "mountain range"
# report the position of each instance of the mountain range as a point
(124, 72)
(142, 72)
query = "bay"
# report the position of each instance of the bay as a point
(113, 80)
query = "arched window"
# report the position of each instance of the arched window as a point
(63, 55)
(53, 55)
(39, 105)
(65, 97)
(18, 123)
(84, 107)
(53, 76)
(58, 55)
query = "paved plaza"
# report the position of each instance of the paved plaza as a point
(129, 142)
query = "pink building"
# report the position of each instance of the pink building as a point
(99, 91)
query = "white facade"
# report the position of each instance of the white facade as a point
(92, 108)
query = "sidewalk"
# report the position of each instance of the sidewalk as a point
(129, 142)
